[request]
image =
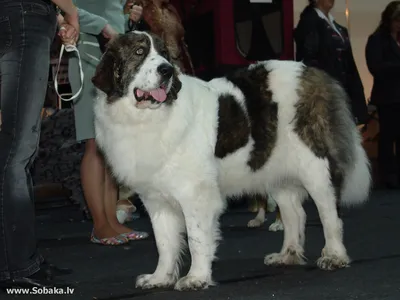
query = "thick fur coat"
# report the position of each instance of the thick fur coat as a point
(185, 145)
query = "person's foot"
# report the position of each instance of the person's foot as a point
(121, 229)
(130, 233)
(107, 236)
(106, 231)
(54, 270)
(390, 181)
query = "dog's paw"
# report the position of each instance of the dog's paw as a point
(290, 256)
(330, 263)
(255, 223)
(189, 282)
(151, 281)
(276, 226)
(332, 260)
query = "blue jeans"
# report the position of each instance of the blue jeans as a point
(27, 29)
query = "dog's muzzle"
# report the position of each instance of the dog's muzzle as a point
(166, 71)
(159, 94)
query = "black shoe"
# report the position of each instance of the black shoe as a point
(391, 182)
(44, 278)
(53, 270)
(30, 283)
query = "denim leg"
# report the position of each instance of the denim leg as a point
(27, 29)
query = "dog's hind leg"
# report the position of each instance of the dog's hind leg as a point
(277, 225)
(320, 187)
(202, 211)
(168, 226)
(289, 200)
(259, 220)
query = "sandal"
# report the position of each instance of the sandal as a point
(111, 241)
(135, 235)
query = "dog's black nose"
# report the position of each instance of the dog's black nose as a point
(165, 70)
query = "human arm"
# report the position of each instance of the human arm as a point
(356, 91)
(377, 65)
(133, 12)
(310, 47)
(70, 17)
(307, 38)
(67, 6)
(91, 23)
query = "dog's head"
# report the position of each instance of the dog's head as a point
(138, 65)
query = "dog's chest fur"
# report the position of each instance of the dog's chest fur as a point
(153, 153)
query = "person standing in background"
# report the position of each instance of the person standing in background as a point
(100, 21)
(161, 18)
(323, 43)
(27, 29)
(383, 61)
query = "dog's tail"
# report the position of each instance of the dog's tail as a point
(357, 178)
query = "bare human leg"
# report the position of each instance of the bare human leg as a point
(92, 177)
(102, 201)
(110, 204)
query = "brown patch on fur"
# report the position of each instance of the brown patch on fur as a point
(119, 64)
(312, 116)
(233, 127)
(262, 112)
(324, 123)
(164, 20)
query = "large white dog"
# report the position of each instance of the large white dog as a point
(184, 145)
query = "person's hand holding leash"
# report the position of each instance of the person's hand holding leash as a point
(68, 34)
(136, 13)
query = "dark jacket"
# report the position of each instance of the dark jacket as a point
(319, 45)
(383, 61)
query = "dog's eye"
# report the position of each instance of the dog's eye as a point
(140, 51)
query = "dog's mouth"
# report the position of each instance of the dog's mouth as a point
(158, 95)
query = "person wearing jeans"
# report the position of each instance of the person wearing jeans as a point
(27, 29)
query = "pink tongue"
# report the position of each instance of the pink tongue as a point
(139, 93)
(159, 95)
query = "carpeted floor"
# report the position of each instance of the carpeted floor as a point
(372, 237)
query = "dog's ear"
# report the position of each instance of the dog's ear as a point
(107, 74)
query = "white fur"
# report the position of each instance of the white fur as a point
(259, 220)
(358, 181)
(276, 226)
(167, 156)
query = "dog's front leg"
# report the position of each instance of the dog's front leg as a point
(202, 210)
(168, 226)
